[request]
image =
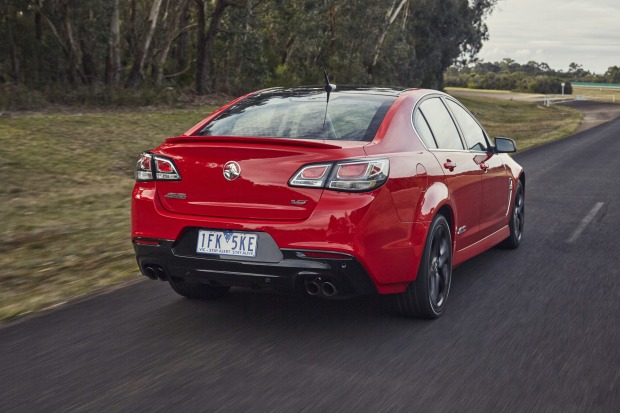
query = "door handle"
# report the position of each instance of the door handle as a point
(449, 165)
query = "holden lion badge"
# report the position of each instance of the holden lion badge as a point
(232, 170)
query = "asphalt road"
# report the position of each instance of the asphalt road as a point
(536, 329)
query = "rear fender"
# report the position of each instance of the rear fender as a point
(433, 199)
(437, 200)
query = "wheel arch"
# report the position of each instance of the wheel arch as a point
(436, 200)
(448, 213)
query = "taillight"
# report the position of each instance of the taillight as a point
(165, 169)
(359, 175)
(144, 169)
(353, 176)
(311, 175)
(150, 167)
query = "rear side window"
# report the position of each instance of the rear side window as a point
(441, 124)
(353, 117)
(423, 130)
(474, 135)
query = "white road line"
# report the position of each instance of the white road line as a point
(585, 221)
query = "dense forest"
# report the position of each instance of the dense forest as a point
(69, 49)
(531, 77)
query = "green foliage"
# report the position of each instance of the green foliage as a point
(613, 74)
(19, 97)
(531, 77)
(58, 45)
(548, 85)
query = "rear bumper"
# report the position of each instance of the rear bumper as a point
(288, 274)
(362, 226)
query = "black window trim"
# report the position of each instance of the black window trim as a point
(429, 128)
(458, 127)
(463, 138)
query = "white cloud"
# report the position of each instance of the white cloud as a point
(556, 32)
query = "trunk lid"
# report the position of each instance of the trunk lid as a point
(261, 190)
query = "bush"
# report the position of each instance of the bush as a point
(548, 86)
(19, 97)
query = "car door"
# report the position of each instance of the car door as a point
(495, 179)
(463, 175)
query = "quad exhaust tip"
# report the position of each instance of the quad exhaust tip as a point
(328, 289)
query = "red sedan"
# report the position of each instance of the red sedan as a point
(353, 191)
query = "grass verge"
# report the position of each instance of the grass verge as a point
(67, 179)
(528, 124)
(65, 219)
(599, 94)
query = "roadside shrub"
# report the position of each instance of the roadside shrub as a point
(14, 97)
(548, 86)
(19, 97)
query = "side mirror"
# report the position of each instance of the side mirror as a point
(505, 145)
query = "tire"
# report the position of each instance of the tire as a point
(426, 296)
(198, 291)
(517, 220)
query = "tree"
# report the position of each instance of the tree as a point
(173, 18)
(612, 75)
(137, 69)
(113, 72)
(390, 16)
(234, 46)
(576, 70)
(206, 40)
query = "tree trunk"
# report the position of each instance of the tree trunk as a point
(206, 40)
(173, 32)
(180, 53)
(15, 67)
(137, 70)
(200, 50)
(391, 15)
(113, 74)
(74, 71)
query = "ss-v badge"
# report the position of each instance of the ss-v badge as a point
(298, 202)
(232, 170)
(175, 195)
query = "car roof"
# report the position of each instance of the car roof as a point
(313, 90)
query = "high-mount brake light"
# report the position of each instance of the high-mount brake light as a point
(154, 167)
(351, 176)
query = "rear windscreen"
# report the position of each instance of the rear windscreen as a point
(350, 117)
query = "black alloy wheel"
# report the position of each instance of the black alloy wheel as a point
(440, 268)
(426, 297)
(517, 219)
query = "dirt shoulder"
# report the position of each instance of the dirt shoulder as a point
(594, 113)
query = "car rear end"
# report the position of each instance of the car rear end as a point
(276, 191)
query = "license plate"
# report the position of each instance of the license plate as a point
(227, 243)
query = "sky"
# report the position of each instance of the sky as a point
(556, 32)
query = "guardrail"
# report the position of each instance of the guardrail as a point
(598, 86)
